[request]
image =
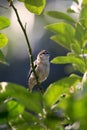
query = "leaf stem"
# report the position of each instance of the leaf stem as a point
(28, 44)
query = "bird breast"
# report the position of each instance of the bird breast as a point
(43, 71)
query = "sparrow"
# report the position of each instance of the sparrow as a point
(42, 68)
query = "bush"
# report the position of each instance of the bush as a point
(63, 105)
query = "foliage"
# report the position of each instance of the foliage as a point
(34, 6)
(4, 22)
(63, 104)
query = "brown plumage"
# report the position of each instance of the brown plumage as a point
(42, 68)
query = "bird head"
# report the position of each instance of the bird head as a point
(43, 55)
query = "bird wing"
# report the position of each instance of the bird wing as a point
(30, 71)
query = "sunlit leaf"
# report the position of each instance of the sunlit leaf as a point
(62, 28)
(35, 6)
(70, 59)
(60, 15)
(24, 121)
(76, 108)
(2, 58)
(75, 47)
(55, 90)
(4, 22)
(14, 108)
(31, 101)
(84, 2)
(83, 17)
(3, 40)
(81, 35)
(65, 33)
(62, 40)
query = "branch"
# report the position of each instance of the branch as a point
(28, 44)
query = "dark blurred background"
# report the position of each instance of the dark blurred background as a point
(16, 51)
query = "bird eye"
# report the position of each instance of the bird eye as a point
(44, 52)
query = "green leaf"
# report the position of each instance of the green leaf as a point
(77, 1)
(85, 50)
(65, 33)
(70, 59)
(2, 58)
(3, 112)
(69, 10)
(62, 28)
(26, 126)
(83, 17)
(20, 125)
(31, 101)
(4, 22)
(76, 108)
(14, 108)
(35, 6)
(62, 40)
(67, 59)
(75, 47)
(54, 119)
(81, 35)
(24, 121)
(84, 2)
(55, 90)
(29, 117)
(60, 15)
(3, 40)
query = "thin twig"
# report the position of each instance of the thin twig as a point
(29, 47)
